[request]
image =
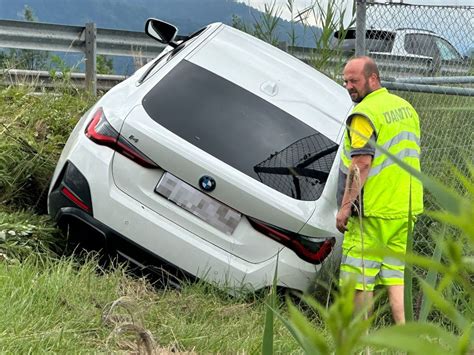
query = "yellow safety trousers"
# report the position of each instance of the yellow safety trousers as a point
(361, 256)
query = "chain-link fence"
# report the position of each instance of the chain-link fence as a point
(301, 169)
(425, 54)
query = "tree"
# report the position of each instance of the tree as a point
(25, 58)
(104, 65)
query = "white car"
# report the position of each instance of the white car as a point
(406, 52)
(217, 159)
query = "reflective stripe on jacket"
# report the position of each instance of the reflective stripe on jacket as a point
(386, 192)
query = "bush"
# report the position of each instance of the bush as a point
(33, 129)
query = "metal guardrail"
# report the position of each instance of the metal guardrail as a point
(53, 37)
(93, 41)
(88, 40)
(438, 80)
(431, 89)
(45, 80)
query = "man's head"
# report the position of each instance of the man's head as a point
(361, 77)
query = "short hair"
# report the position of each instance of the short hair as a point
(370, 67)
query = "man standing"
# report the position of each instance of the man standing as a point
(376, 193)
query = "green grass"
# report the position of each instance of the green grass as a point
(58, 306)
(33, 130)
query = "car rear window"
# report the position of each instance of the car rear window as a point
(243, 130)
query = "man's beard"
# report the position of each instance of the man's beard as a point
(358, 98)
(361, 97)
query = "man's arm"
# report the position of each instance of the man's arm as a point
(354, 183)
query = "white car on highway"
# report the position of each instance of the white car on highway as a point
(217, 160)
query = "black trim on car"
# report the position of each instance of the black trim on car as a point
(70, 189)
(84, 232)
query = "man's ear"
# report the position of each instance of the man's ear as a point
(374, 80)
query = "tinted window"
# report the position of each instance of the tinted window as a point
(243, 130)
(376, 40)
(379, 41)
(446, 50)
(420, 44)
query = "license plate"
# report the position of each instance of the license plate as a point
(198, 203)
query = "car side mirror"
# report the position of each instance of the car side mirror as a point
(162, 31)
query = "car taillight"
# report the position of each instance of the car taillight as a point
(312, 250)
(100, 131)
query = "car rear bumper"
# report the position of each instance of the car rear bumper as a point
(186, 261)
(123, 225)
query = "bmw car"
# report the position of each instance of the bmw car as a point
(218, 159)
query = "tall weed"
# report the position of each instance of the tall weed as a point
(266, 26)
(455, 264)
(327, 57)
(33, 129)
(318, 20)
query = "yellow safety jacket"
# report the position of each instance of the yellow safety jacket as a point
(386, 193)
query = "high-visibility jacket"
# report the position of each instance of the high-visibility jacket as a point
(386, 192)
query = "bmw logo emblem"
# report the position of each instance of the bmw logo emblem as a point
(207, 183)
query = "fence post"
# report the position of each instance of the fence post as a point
(360, 27)
(91, 61)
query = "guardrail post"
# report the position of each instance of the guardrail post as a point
(91, 61)
(361, 9)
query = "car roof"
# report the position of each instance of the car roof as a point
(275, 76)
(394, 31)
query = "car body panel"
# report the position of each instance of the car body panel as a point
(166, 239)
(235, 189)
(123, 192)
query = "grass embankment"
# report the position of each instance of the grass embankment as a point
(58, 306)
(55, 304)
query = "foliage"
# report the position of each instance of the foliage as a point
(104, 65)
(347, 332)
(265, 27)
(331, 19)
(291, 32)
(271, 303)
(60, 71)
(23, 234)
(33, 130)
(408, 275)
(344, 332)
(324, 56)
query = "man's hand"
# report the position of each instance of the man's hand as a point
(342, 218)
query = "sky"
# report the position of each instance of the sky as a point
(299, 5)
(347, 4)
